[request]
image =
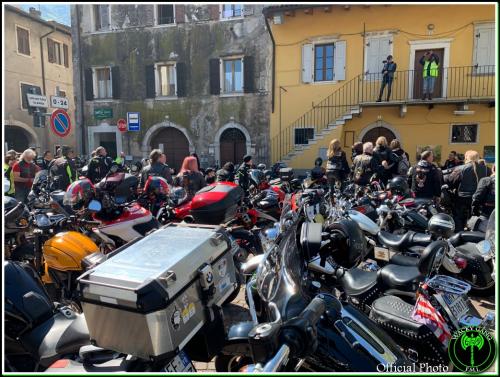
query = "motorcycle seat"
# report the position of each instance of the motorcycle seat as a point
(394, 314)
(399, 241)
(404, 260)
(466, 236)
(58, 336)
(404, 278)
(356, 281)
(420, 201)
(468, 248)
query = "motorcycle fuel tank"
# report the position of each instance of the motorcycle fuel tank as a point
(365, 223)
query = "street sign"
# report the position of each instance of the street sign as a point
(60, 123)
(122, 125)
(104, 113)
(59, 102)
(37, 100)
(134, 121)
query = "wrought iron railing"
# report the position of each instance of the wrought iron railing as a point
(453, 84)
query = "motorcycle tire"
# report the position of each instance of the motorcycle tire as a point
(231, 363)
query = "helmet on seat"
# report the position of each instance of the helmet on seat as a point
(441, 225)
(79, 194)
(156, 185)
(257, 178)
(261, 167)
(398, 186)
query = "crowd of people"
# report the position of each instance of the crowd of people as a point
(471, 182)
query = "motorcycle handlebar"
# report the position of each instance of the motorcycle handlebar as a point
(313, 312)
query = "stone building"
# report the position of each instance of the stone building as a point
(37, 57)
(198, 75)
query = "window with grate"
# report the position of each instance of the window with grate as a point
(165, 14)
(464, 133)
(303, 135)
(232, 10)
(23, 40)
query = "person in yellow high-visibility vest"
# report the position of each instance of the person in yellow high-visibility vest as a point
(9, 162)
(430, 63)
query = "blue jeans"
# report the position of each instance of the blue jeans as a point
(429, 82)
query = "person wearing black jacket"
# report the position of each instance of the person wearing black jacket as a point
(426, 182)
(483, 200)
(226, 174)
(356, 150)
(62, 170)
(46, 160)
(99, 165)
(241, 176)
(156, 168)
(388, 76)
(464, 179)
(384, 159)
(337, 167)
(364, 166)
(452, 161)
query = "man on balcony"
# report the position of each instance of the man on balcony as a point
(388, 77)
(430, 62)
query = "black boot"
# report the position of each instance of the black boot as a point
(379, 99)
(424, 97)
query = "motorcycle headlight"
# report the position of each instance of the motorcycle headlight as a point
(42, 220)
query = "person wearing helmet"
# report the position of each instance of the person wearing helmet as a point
(261, 167)
(398, 186)
(99, 165)
(63, 170)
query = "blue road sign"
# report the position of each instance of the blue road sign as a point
(134, 121)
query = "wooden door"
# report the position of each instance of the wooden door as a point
(376, 132)
(232, 146)
(418, 80)
(175, 146)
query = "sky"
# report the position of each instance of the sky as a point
(56, 12)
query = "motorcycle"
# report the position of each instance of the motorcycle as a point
(277, 296)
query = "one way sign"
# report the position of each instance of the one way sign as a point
(134, 121)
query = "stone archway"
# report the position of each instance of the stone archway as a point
(379, 128)
(156, 130)
(220, 132)
(20, 129)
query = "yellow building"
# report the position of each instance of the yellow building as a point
(38, 57)
(328, 73)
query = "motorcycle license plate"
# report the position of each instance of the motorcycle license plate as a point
(457, 304)
(382, 253)
(180, 363)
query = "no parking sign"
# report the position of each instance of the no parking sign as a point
(60, 123)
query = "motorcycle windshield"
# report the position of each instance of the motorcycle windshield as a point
(279, 277)
(490, 232)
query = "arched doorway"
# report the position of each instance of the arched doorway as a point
(17, 139)
(373, 134)
(233, 146)
(175, 145)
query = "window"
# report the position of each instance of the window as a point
(232, 10)
(166, 80)
(323, 62)
(464, 133)
(25, 89)
(484, 49)
(23, 40)
(232, 75)
(165, 14)
(101, 17)
(66, 55)
(303, 135)
(54, 52)
(103, 88)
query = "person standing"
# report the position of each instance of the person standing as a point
(364, 166)
(99, 165)
(464, 179)
(190, 178)
(403, 166)
(483, 200)
(241, 176)
(46, 159)
(337, 167)
(63, 170)
(156, 168)
(387, 78)
(430, 63)
(356, 150)
(426, 182)
(9, 162)
(452, 161)
(24, 173)
(226, 173)
(384, 159)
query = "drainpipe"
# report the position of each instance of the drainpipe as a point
(274, 61)
(80, 140)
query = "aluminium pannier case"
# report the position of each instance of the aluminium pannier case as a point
(151, 297)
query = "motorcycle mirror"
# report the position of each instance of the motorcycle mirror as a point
(94, 206)
(484, 247)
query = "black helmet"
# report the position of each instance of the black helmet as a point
(318, 161)
(441, 225)
(268, 174)
(317, 173)
(256, 177)
(398, 185)
(16, 215)
(348, 243)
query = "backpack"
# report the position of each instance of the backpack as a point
(403, 166)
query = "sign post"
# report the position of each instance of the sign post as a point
(134, 121)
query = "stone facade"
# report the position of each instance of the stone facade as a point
(133, 43)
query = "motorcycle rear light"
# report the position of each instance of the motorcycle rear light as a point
(460, 263)
(63, 363)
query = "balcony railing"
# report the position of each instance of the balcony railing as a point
(453, 85)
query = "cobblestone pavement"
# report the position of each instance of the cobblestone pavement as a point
(237, 311)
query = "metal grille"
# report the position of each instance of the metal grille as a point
(464, 133)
